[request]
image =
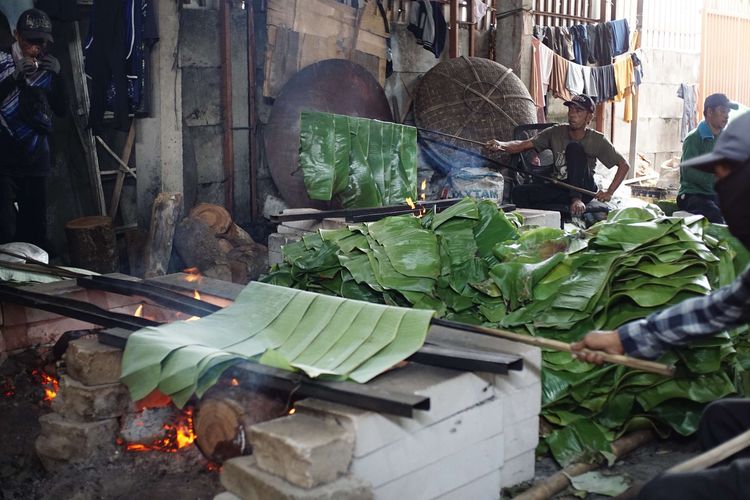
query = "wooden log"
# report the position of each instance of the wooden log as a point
(197, 245)
(248, 262)
(224, 415)
(215, 216)
(714, 455)
(237, 236)
(92, 244)
(164, 217)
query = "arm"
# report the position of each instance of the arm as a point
(511, 147)
(677, 325)
(622, 171)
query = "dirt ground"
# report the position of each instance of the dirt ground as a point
(184, 475)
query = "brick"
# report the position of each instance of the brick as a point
(519, 469)
(304, 450)
(520, 404)
(48, 331)
(93, 363)
(430, 444)
(483, 488)
(442, 476)
(242, 477)
(15, 337)
(63, 440)
(521, 437)
(77, 401)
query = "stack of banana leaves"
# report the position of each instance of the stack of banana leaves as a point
(474, 264)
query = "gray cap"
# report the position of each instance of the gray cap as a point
(733, 145)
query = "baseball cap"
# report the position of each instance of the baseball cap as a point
(715, 100)
(733, 145)
(33, 24)
(582, 101)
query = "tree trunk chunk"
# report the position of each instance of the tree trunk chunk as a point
(224, 416)
(92, 244)
(164, 217)
(215, 216)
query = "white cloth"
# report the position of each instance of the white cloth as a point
(480, 9)
(545, 65)
(589, 85)
(575, 82)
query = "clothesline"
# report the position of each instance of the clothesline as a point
(587, 43)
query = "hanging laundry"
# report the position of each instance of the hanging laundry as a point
(575, 81)
(603, 52)
(427, 23)
(592, 38)
(550, 40)
(589, 82)
(637, 69)
(564, 42)
(606, 87)
(480, 9)
(580, 43)
(689, 118)
(559, 78)
(619, 36)
(623, 68)
(536, 79)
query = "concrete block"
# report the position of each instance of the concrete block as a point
(519, 469)
(201, 96)
(273, 206)
(93, 363)
(372, 430)
(245, 479)
(542, 218)
(333, 223)
(275, 258)
(87, 403)
(521, 437)
(519, 405)
(207, 148)
(288, 229)
(199, 38)
(430, 444)
(486, 487)
(69, 441)
(439, 478)
(304, 450)
(276, 241)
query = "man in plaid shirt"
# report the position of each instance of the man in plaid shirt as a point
(725, 308)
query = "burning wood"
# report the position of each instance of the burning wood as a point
(49, 383)
(170, 436)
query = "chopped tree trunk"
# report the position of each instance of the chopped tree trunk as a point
(92, 243)
(164, 217)
(215, 216)
(248, 262)
(224, 416)
(197, 245)
(238, 236)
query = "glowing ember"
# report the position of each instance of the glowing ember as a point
(423, 186)
(7, 388)
(235, 382)
(196, 295)
(292, 411)
(193, 318)
(193, 274)
(49, 383)
(179, 435)
(410, 202)
(139, 311)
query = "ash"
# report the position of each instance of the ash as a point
(185, 474)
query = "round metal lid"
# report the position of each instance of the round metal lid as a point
(332, 86)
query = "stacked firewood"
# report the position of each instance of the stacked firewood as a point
(208, 239)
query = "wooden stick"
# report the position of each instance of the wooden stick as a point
(559, 481)
(444, 134)
(714, 455)
(556, 345)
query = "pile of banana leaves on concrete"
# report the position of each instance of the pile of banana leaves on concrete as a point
(473, 263)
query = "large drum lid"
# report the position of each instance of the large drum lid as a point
(333, 86)
(473, 98)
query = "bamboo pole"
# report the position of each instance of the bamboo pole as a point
(714, 455)
(556, 345)
(559, 481)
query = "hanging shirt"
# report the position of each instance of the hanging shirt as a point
(546, 57)
(536, 74)
(575, 81)
(589, 82)
(580, 43)
(559, 79)
(619, 36)
(564, 42)
(689, 118)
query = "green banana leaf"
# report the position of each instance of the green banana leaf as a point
(361, 162)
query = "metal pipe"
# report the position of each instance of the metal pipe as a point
(226, 104)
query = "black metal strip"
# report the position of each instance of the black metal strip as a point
(467, 359)
(160, 295)
(71, 308)
(352, 212)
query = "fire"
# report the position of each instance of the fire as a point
(7, 388)
(292, 411)
(139, 311)
(196, 295)
(235, 382)
(179, 435)
(50, 384)
(423, 190)
(193, 274)
(193, 318)
(410, 202)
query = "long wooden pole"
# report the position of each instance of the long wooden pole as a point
(714, 455)
(556, 345)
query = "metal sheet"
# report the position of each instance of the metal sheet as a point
(332, 86)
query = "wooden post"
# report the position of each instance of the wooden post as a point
(226, 104)
(634, 122)
(453, 29)
(164, 217)
(92, 244)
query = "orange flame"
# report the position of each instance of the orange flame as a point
(179, 435)
(139, 311)
(193, 274)
(235, 382)
(292, 411)
(410, 202)
(50, 384)
(196, 295)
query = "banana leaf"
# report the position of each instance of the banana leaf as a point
(361, 162)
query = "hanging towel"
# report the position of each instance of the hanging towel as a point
(589, 82)
(559, 79)
(575, 81)
(546, 57)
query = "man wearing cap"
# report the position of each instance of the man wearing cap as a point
(696, 194)
(575, 148)
(700, 317)
(30, 90)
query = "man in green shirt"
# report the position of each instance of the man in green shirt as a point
(575, 149)
(696, 194)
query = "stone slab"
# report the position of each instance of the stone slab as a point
(304, 450)
(93, 363)
(430, 444)
(88, 403)
(518, 469)
(63, 440)
(439, 478)
(245, 479)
